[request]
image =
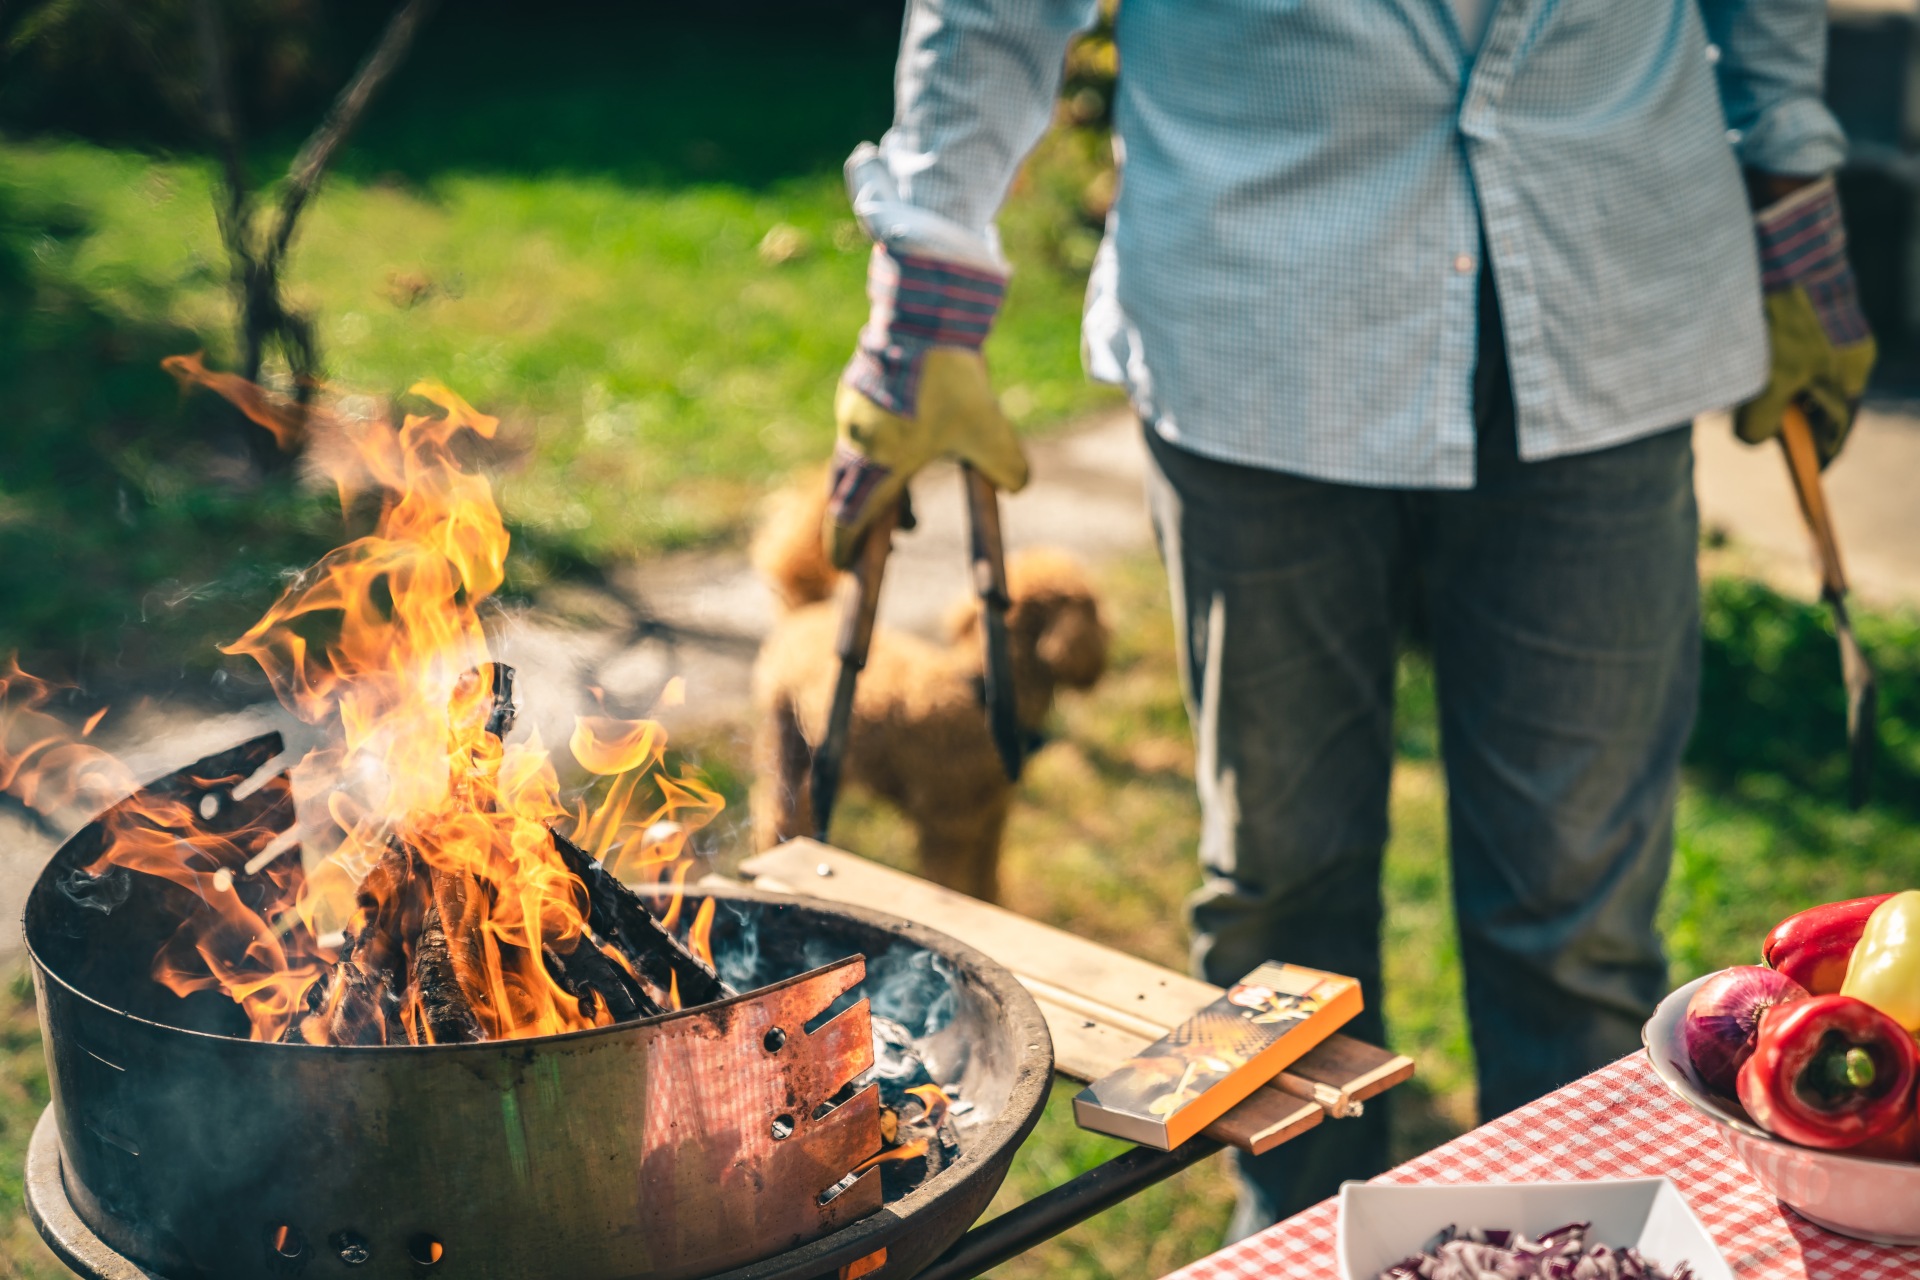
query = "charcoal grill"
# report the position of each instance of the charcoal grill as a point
(174, 1147)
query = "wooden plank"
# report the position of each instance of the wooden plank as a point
(1265, 1120)
(1098, 1010)
(1084, 1048)
(1336, 1102)
(1102, 1006)
(1356, 1069)
(1106, 984)
(1029, 948)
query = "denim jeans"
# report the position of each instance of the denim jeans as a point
(1562, 602)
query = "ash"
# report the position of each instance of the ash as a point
(912, 1000)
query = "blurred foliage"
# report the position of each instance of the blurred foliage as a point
(1763, 824)
(130, 69)
(23, 1095)
(130, 534)
(740, 93)
(1772, 705)
(1093, 68)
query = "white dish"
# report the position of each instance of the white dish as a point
(1874, 1200)
(1381, 1223)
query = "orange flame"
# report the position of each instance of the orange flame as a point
(699, 938)
(905, 1151)
(286, 422)
(934, 1100)
(42, 763)
(412, 805)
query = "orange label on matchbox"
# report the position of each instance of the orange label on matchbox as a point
(1196, 1073)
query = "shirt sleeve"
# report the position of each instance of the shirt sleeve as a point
(973, 92)
(1772, 62)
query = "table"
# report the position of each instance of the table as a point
(1619, 1122)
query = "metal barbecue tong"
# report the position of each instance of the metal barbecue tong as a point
(1803, 464)
(860, 600)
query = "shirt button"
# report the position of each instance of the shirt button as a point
(1713, 55)
(1463, 263)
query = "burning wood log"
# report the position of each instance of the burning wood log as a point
(600, 982)
(407, 955)
(617, 914)
(444, 1008)
(459, 902)
(360, 1000)
(359, 1007)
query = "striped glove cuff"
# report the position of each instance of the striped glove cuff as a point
(1803, 243)
(918, 303)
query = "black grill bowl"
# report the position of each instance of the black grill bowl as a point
(180, 1151)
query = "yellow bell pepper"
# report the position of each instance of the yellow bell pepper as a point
(1885, 968)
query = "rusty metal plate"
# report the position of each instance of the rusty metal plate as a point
(731, 1136)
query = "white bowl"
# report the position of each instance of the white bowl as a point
(1874, 1200)
(1381, 1223)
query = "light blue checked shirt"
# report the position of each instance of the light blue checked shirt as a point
(1289, 274)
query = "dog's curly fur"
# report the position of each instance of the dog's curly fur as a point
(919, 734)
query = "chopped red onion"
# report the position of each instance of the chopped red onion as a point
(1560, 1254)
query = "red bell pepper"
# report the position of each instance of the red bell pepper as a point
(1902, 1142)
(1829, 1072)
(1813, 946)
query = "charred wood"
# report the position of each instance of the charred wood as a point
(359, 1001)
(362, 1008)
(446, 1014)
(617, 914)
(392, 902)
(462, 905)
(599, 982)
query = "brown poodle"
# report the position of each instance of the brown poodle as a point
(919, 735)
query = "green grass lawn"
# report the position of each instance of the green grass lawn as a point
(653, 368)
(643, 262)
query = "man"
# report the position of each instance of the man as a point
(1416, 299)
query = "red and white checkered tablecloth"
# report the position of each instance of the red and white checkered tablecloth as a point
(1619, 1122)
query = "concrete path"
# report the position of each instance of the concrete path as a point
(701, 615)
(1873, 489)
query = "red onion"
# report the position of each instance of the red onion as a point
(1723, 1018)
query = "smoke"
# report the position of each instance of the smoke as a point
(897, 1062)
(912, 987)
(907, 984)
(739, 961)
(102, 893)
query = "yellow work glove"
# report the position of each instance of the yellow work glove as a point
(916, 390)
(1822, 349)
